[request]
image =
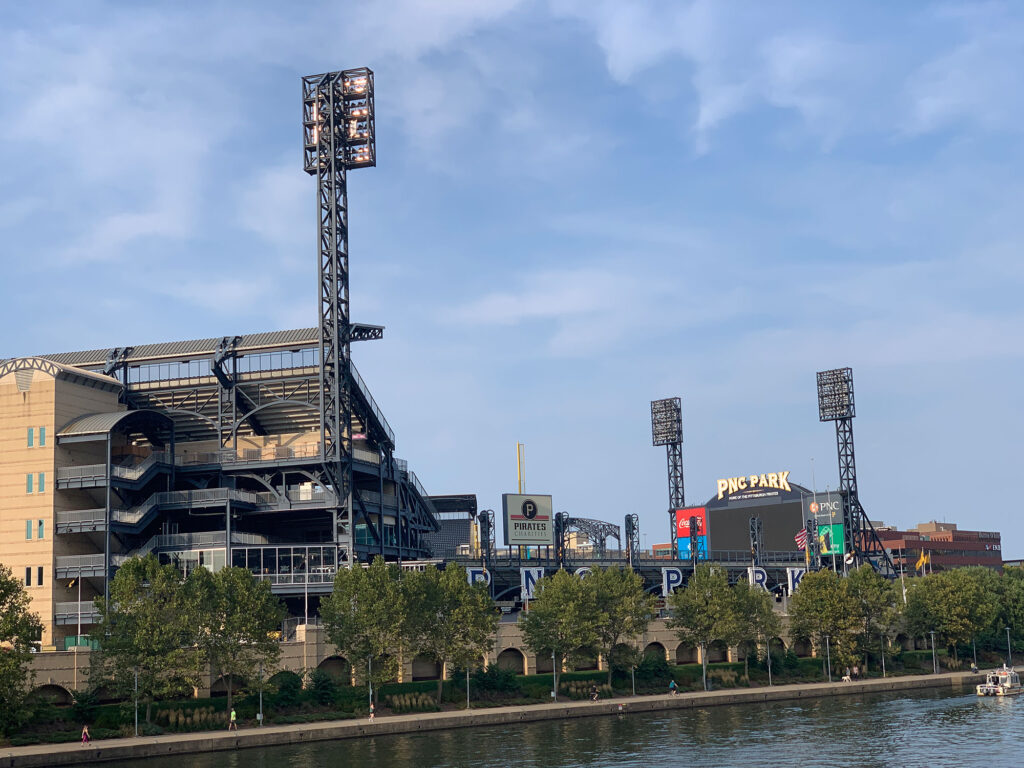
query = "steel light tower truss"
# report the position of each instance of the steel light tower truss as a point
(836, 403)
(756, 540)
(667, 430)
(338, 134)
(633, 539)
(598, 531)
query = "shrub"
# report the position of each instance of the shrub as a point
(496, 679)
(324, 687)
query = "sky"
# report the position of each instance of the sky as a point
(579, 206)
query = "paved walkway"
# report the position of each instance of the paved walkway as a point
(186, 743)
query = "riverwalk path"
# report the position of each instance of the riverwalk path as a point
(188, 743)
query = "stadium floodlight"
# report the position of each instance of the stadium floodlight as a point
(835, 394)
(667, 421)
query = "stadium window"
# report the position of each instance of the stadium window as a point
(41, 530)
(28, 530)
(39, 576)
(31, 435)
(42, 436)
(42, 482)
(28, 483)
(28, 577)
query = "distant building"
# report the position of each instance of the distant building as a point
(944, 544)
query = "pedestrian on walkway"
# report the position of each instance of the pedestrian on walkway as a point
(233, 722)
(86, 738)
(673, 688)
(371, 710)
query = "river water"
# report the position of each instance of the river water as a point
(932, 728)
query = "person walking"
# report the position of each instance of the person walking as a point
(673, 688)
(233, 722)
(371, 710)
(86, 738)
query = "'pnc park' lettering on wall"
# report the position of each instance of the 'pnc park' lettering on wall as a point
(731, 485)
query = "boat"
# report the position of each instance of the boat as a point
(1001, 682)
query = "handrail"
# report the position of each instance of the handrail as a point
(365, 392)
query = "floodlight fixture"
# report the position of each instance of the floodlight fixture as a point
(667, 421)
(835, 394)
(338, 120)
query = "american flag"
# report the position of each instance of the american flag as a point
(801, 539)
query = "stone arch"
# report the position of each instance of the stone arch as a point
(801, 648)
(338, 668)
(686, 654)
(220, 686)
(717, 651)
(655, 649)
(545, 664)
(904, 642)
(777, 646)
(512, 659)
(283, 676)
(425, 668)
(52, 693)
(586, 662)
(921, 644)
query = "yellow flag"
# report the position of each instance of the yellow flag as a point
(921, 561)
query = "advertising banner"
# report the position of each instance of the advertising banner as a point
(831, 540)
(528, 520)
(683, 546)
(825, 508)
(683, 521)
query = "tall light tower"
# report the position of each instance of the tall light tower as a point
(338, 134)
(835, 403)
(667, 430)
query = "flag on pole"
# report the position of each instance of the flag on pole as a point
(922, 560)
(801, 539)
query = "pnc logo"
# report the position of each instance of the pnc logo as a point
(814, 507)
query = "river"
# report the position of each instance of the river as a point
(931, 728)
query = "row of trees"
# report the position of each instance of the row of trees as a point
(161, 630)
(380, 614)
(860, 611)
(19, 629)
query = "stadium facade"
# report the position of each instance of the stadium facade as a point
(204, 453)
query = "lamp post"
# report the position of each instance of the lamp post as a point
(881, 643)
(828, 657)
(467, 686)
(554, 678)
(768, 648)
(935, 661)
(1009, 650)
(136, 701)
(260, 717)
(632, 675)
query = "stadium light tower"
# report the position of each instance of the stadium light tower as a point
(667, 430)
(338, 134)
(836, 403)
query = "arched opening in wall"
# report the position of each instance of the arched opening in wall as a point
(544, 664)
(586, 662)
(801, 648)
(220, 686)
(904, 642)
(285, 679)
(717, 651)
(56, 695)
(424, 668)
(686, 654)
(512, 659)
(777, 647)
(921, 644)
(338, 668)
(654, 650)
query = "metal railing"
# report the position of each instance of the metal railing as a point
(387, 500)
(71, 518)
(365, 392)
(196, 497)
(417, 484)
(79, 561)
(63, 612)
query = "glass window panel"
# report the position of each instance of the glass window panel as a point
(238, 558)
(41, 529)
(42, 482)
(31, 435)
(328, 557)
(270, 561)
(39, 576)
(28, 577)
(254, 560)
(218, 559)
(28, 530)
(42, 436)
(28, 483)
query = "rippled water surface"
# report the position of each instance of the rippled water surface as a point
(920, 729)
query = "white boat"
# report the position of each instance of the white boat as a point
(1001, 682)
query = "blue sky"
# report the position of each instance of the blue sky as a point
(579, 206)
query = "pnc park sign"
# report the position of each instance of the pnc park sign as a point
(746, 483)
(528, 520)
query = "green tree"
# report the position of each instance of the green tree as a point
(751, 618)
(151, 628)
(562, 619)
(447, 619)
(365, 617)
(702, 612)
(875, 600)
(237, 614)
(623, 609)
(968, 604)
(1011, 602)
(19, 628)
(822, 607)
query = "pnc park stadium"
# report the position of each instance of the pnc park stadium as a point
(268, 451)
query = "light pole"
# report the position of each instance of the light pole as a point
(369, 679)
(828, 657)
(935, 661)
(974, 650)
(136, 701)
(881, 643)
(768, 648)
(467, 686)
(632, 675)
(554, 678)
(260, 718)
(1009, 650)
